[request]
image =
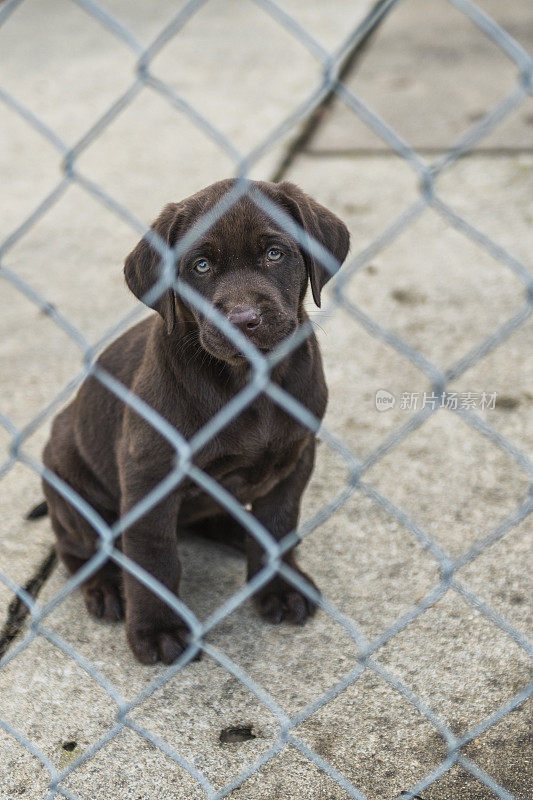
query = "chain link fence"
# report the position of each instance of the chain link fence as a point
(331, 66)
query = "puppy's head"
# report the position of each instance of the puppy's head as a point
(246, 265)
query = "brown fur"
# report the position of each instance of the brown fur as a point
(183, 367)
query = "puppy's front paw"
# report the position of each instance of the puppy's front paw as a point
(280, 601)
(151, 643)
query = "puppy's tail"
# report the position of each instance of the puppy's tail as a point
(40, 510)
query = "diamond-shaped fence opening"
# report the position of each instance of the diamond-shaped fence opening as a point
(438, 737)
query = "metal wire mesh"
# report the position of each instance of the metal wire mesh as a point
(261, 368)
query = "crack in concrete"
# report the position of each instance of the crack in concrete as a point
(18, 610)
(315, 119)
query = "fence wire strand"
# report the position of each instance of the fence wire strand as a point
(261, 368)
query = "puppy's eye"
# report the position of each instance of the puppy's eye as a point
(274, 254)
(202, 266)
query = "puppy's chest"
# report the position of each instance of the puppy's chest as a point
(251, 455)
(249, 473)
(259, 427)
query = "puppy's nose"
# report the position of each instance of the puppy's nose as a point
(245, 318)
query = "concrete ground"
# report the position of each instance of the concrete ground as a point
(434, 287)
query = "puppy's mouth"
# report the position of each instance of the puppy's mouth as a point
(224, 349)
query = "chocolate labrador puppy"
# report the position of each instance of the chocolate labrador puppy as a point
(179, 363)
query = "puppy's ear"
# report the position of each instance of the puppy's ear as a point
(143, 267)
(323, 226)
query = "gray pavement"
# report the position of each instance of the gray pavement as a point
(432, 74)
(433, 287)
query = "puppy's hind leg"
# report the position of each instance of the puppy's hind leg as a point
(102, 591)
